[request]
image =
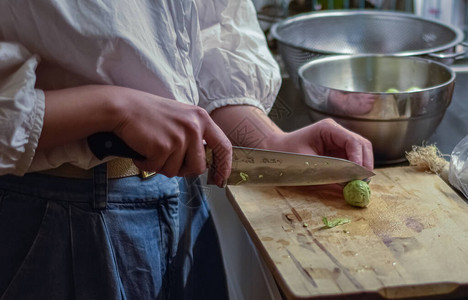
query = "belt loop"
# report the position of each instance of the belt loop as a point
(99, 200)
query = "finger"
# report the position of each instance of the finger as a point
(345, 139)
(195, 160)
(354, 150)
(151, 165)
(368, 155)
(222, 152)
(173, 164)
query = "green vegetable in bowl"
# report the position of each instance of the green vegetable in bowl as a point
(357, 193)
(413, 89)
(392, 90)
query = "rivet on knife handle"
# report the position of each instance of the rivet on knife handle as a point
(104, 144)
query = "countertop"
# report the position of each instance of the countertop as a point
(454, 125)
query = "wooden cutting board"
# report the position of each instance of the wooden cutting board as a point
(411, 241)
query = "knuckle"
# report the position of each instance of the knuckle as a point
(201, 113)
(192, 125)
(329, 124)
(198, 114)
(194, 122)
(163, 149)
(329, 121)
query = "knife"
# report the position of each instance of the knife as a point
(274, 168)
(255, 166)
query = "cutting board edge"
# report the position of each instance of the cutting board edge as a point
(286, 289)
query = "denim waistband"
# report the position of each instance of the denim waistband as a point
(130, 189)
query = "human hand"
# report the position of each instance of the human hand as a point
(326, 137)
(170, 135)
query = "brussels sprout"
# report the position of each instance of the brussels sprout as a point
(392, 90)
(413, 89)
(357, 193)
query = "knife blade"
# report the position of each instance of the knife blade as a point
(252, 166)
(255, 166)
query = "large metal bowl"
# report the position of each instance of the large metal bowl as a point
(308, 36)
(354, 91)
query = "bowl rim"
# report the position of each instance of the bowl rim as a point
(276, 27)
(303, 68)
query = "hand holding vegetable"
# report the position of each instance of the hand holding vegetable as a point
(326, 137)
(250, 127)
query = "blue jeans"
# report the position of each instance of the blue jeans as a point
(153, 239)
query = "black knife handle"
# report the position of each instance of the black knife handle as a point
(104, 144)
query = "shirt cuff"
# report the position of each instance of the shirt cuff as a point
(35, 132)
(234, 101)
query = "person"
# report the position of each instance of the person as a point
(164, 76)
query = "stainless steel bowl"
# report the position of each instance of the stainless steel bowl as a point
(308, 36)
(355, 91)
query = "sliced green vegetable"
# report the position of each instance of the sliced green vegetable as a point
(392, 90)
(334, 222)
(244, 176)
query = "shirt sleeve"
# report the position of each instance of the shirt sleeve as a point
(21, 108)
(237, 66)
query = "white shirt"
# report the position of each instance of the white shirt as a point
(210, 53)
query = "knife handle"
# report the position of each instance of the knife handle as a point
(104, 144)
